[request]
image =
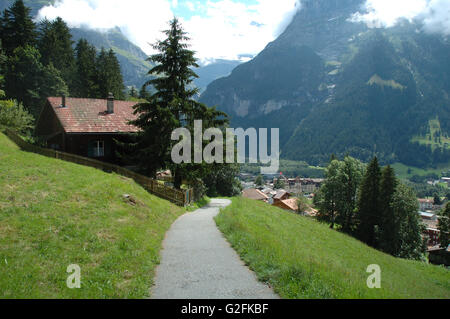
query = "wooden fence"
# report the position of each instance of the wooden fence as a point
(178, 197)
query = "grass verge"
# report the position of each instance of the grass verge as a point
(302, 258)
(54, 214)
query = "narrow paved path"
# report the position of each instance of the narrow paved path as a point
(198, 263)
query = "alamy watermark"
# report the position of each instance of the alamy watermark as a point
(74, 279)
(214, 152)
(374, 280)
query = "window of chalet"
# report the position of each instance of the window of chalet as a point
(96, 148)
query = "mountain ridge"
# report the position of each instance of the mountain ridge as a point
(368, 92)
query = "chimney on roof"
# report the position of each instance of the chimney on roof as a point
(63, 101)
(110, 104)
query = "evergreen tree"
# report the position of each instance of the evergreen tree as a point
(144, 94)
(133, 93)
(29, 82)
(408, 243)
(3, 60)
(17, 27)
(444, 226)
(109, 76)
(85, 79)
(369, 216)
(22, 78)
(437, 199)
(259, 180)
(389, 228)
(52, 83)
(55, 45)
(171, 106)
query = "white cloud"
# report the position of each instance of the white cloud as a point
(230, 28)
(219, 29)
(140, 20)
(435, 14)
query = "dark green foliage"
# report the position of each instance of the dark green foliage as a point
(444, 226)
(259, 180)
(220, 180)
(14, 116)
(28, 81)
(279, 183)
(85, 79)
(109, 77)
(407, 241)
(172, 106)
(133, 93)
(17, 27)
(437, 200)
(55, 45)
(3, 60)
(338, 195)
(389, 227)
(369, 210)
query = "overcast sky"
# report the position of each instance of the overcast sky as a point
(229, 28)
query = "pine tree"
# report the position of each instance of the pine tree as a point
(259, 180)
(444, 226)
(389, 227)
(170, 107)
(17, 27)
(3, 60)
(369, 216)
(55, 45)
(109, 76)
(29, 82)
(85, 84)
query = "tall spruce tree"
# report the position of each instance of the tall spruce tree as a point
(390, 225)
(171, 106)
(85, 84)
(369, 215)
(109, 76)
(55, 45)
(17, 27)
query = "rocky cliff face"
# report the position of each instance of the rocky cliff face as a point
(335, 86)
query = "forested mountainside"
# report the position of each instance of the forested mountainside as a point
(334, 86)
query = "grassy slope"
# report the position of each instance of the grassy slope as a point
(302, 258)
(54, 213)
(402, 170)
(435, 127)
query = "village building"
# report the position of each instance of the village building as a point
(426, 204)
(431, 221)
(255, 194)
(280, 196)
(287, 204)
(86, 127)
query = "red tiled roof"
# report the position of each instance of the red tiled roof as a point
(89, 115)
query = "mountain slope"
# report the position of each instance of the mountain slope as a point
(131, 58)
(372, 92)
(55, 213)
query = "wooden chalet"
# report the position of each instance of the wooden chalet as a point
(85, 127)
